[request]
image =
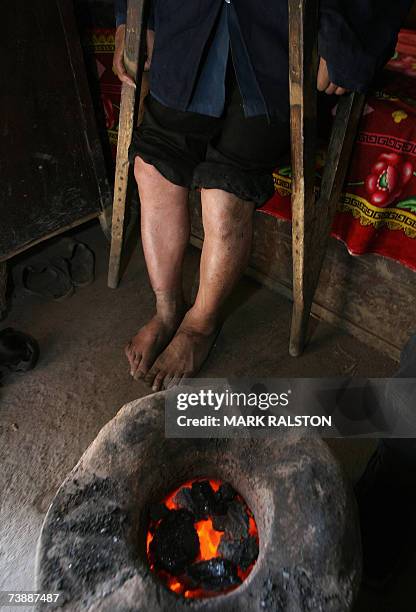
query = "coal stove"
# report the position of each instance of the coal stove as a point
(148, 523)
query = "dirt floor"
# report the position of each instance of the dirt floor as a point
(50, 415)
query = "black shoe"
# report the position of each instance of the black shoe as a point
(81, 261)
(50, 280)
(19, 352)
(386, 495)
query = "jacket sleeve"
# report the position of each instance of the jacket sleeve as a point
(357, 37)
(120, 10)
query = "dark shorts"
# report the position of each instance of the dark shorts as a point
(232, 153)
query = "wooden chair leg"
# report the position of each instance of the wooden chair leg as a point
(134, 66)
(338, 157)
(303, 65)
(344, 130)
(312, 221)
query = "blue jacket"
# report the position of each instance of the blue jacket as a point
(356, 37)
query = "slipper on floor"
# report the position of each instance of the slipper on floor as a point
(81, 261)
(48, 280)
(19, 352)
(81, 265)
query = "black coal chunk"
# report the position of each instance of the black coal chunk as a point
(158, 512)
(225, 493)
(175, 544)
(199, 499)
(249, 553)
(234, 523)
(203, 497)
(213, 575)
(223, 497)
(242, 553)
(183, 499)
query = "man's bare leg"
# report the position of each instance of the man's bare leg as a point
(165, 228)
(228, 225)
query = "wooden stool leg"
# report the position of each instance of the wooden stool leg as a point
(344, 130)
(134, 66)
(312, 221)
(303, 66)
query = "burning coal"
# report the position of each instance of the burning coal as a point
(202, 539)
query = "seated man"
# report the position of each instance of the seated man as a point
(217, 118)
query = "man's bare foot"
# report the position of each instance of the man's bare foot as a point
(185, 354)
(152, 338)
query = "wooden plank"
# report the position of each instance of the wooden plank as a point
(135, 40)
(60, 230)
(89, 123)
(48, 180)
(303, 66)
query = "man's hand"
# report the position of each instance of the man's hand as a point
(118, 58)
(324, 83)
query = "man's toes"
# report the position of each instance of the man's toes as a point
(128, 351)
(167, 381)
(132, 357)
(151, 374)
(134, 363)
(174, 381)
(141, 372)
(138, 372)
(131, 364)
(142, 369)
(158, 381)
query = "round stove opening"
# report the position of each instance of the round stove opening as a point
(202, 539)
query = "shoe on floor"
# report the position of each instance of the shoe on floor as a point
(386, 496)
(81, 265)
(19, 352)
(50, 280)
(81, 261)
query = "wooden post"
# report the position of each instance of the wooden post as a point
(312, 220)
(133, 61)
(303, 66)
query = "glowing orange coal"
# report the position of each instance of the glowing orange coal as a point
(209, 541)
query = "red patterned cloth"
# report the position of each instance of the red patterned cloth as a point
(377, 211)
(100, 43)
